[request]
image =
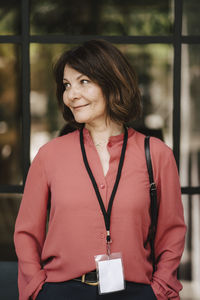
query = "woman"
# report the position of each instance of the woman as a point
(98, 94)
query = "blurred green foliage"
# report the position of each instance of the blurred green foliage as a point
(102, 17)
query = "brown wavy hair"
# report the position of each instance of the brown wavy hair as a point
(104, 64)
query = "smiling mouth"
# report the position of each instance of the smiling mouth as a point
(77, 107)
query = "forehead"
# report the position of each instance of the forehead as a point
(71, 73)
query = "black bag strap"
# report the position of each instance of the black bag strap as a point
(153, 204)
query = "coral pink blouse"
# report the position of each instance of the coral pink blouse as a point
(76, 230)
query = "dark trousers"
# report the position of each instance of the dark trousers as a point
(74, 290)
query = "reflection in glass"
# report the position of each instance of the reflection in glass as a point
(189, 271)
(102, 17)
(191, 15)
(9, 205)
(190, 112)
(153, 64)
(9, 17)
(10, 115)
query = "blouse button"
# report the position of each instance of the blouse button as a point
(102, 186)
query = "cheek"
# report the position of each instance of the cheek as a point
(65, 100)
(101, 103)
(96, 96)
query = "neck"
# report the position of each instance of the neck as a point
(101, 133)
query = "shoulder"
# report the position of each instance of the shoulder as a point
(159, 148)
(160, 152)
(156, 145)
(163, 159)
(59, 144)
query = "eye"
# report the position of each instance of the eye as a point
(84, 81)
(66, 85)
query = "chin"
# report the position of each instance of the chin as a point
(81, 120)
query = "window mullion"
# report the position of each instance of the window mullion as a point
(177, 80)
(25, 61)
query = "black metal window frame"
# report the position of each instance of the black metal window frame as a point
(25, 39)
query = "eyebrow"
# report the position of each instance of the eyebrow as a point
(77, 78)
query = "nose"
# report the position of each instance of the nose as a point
(73, 92)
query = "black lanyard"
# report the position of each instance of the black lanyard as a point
(108, 213)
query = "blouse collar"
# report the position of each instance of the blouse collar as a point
(115, 139)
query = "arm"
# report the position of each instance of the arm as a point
(170, 235)
(30, 230)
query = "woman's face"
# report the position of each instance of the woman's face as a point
(83, 97)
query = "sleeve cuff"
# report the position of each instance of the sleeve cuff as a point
(158, 291)
(35, 285)
(35, 294)
(161, 293)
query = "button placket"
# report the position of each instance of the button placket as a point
(103, 191)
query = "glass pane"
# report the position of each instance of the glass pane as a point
(191, 15)
(189, 271)
(10, 115)
(190, 112)
(46, 119)
(9, 17)
(9, 205)
(153, 65)
(102, 17)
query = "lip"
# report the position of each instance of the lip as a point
(80, 106)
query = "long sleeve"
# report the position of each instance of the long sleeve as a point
(59, 167)
(170, 235)
(30, 230)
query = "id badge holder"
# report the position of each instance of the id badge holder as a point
(110, 273)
